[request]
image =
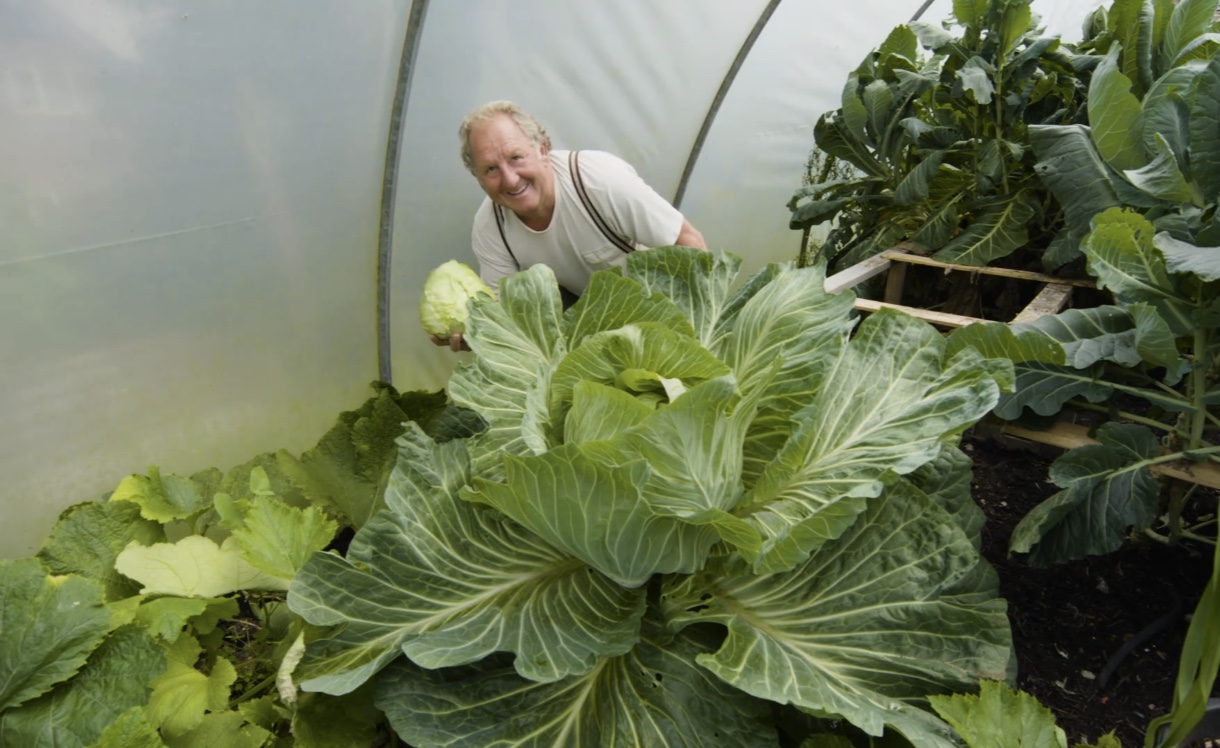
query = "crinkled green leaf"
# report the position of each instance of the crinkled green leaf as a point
(183, 694)
(277, 539)
(696, 282)
(89, 536)
(997, 714)
(193, 567)
(347, 469)
(612, 301)
(165, 497)
(600, 412)
(517, 342)
(596, 512)
(779, 345)
(165, 617)
(885, 405)
(693, 449)
(450, 582)
(946, 480)
(860, 628)
(654, 695)
(1123, 259)
(1105, 495)
(49, 625)
(75, 713)
(998, 229)
(220, 730)
(131, 730)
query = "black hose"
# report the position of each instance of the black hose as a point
(1141, 638)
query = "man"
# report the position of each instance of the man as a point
(577, 214)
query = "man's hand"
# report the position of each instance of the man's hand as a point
(455, 342)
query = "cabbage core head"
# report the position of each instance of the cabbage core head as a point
(442, 307)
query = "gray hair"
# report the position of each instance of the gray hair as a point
(531, 127)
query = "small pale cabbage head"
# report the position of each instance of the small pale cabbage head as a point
(442, 307)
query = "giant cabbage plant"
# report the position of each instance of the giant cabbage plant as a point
(690, 504)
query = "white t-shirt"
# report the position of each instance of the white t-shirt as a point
(572, 245)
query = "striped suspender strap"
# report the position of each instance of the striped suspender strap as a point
(602, 225)
(496, 209)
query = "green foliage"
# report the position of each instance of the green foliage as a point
(690, 504)
(940, 145)
(999, 716)
(155, 618)
(1140, 187)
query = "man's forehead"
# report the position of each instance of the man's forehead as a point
(498, 131)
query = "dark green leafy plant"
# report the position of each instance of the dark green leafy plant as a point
(1141, 186)
(157, 617)
(940, 145)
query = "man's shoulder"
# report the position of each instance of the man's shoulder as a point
(602, 166)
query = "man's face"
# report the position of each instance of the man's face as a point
(512, 170)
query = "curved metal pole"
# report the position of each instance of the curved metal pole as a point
(719, 99)
(922, 8)
(389, 184)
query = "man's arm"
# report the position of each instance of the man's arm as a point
(689, 236)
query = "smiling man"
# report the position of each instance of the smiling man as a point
(576, 212)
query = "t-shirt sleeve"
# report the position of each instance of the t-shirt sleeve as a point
(494, 260)
(628, 202)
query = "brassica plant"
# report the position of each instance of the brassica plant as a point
(446, 292)
(690, 504)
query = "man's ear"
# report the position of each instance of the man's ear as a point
(545, 146)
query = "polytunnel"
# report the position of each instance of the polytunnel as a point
(218, 215)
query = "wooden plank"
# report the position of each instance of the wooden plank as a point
(857, 274)
(1051, 299)
(1067, 435)
(898, 255)
(941, 319)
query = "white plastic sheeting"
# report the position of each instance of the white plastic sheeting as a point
(191, 195)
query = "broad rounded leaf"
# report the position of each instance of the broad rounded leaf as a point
(194, 567)
(50, 625)
(868, 621)
(449, 582)
(75, 713)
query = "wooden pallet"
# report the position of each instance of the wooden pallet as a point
(1053, 297)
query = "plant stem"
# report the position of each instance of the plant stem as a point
(1150, 422)
(255, 691)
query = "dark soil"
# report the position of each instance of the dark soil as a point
(1068, 620)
